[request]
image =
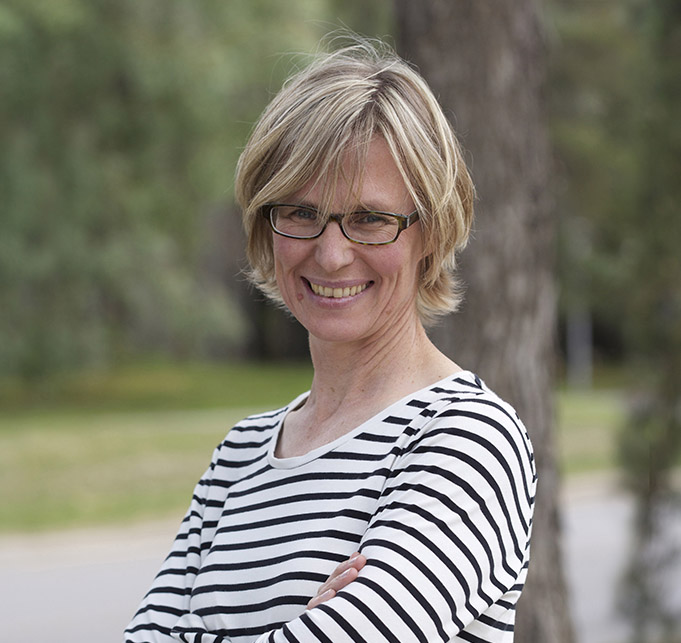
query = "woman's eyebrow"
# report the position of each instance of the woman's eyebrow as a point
(358, 207)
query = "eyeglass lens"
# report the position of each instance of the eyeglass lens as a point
(367, 227)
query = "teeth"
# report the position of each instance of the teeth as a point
(336, 293)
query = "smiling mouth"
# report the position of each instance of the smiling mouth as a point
(337, 293)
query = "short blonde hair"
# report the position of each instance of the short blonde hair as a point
(335, 107)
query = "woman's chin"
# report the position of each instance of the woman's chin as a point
(337, 333)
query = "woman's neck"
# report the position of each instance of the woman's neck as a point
(385, 361)
(353, 382)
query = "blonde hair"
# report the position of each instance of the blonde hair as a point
(335, 107)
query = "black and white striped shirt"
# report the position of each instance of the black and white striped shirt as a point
(436, 491)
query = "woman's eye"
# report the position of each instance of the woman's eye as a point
(301, 214)
(371, 219)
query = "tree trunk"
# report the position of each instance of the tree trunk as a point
(485, 61)
(271, 333)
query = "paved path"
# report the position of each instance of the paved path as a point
(83, 586)
(597, 518)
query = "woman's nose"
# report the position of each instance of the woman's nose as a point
(334, 250)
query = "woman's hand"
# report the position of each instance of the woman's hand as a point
(342, 576)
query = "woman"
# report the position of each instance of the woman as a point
(393, 501)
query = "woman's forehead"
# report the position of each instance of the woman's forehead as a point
(367, 181)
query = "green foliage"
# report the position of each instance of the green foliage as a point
(121, 122)
(595, 60)
(617, 101)
(95, 182)
(615, 96)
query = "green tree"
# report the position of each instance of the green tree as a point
(651, 443)
(616, 94)
(120, 124)
(594, 59)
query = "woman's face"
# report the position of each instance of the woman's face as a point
(343, 291)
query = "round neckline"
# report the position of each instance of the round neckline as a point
(299, 460)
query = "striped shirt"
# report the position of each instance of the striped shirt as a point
(436, 491)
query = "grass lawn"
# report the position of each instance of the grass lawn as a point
(588, 424)
(130, 445)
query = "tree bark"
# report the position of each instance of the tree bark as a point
(271, 333)
(485, 61)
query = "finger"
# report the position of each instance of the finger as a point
(356, 561)
(341, 577)
(320, 598)
(336, 583)
(329, 589)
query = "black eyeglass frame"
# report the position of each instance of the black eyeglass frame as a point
(403, 221)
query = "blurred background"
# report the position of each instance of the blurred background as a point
(130, 340)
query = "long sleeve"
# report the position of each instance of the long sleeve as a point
(168, 598)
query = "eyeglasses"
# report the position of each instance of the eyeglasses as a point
(368, 227)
